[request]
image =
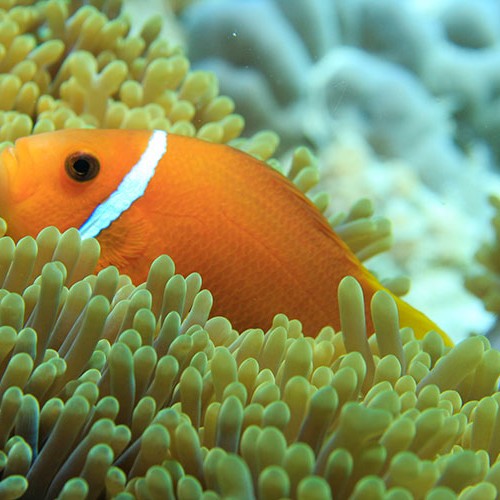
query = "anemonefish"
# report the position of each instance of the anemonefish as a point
(259, 244)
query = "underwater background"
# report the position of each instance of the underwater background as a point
(111, 390)
(400, 102)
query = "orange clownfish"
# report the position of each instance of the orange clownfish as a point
(259, 244)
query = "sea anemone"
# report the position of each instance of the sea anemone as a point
(69, 66)
(111, 388)
(485, 283)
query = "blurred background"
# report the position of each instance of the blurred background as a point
(400, 101)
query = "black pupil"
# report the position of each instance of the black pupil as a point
(81, 166)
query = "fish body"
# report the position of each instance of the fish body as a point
(259, 244)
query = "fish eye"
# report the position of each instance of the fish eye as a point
(82, 167)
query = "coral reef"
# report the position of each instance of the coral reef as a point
(434, 240)
(137, 392)
(416, 84)
(485, 283)
(395, 73)
(320, 55)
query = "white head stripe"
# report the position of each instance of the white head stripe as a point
(131, 188)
